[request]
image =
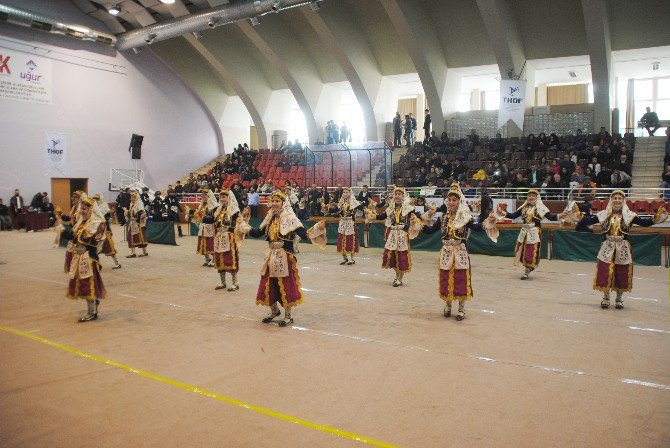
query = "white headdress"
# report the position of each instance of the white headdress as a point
(407, 207)
(232, 207)
(463, 214)
(288, 221)
(539, 205)
(136, 204)
(626, 214)
(212, 203)
(353, 202)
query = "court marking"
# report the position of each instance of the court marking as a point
(203, 392)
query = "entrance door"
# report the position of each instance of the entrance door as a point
(62, 189)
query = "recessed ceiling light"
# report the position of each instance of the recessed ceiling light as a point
(573, 74)
(167, 2)
(655, 65)
(114, 10)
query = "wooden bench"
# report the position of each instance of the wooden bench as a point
(661, 124)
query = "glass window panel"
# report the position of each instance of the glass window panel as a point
(492, 100)
(640, 109)
(663, 90)
(464, 102)
(663, 109)
(644, 89)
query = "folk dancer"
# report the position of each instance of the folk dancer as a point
(527, 248)
(226, 255)
(205, 213)
(402, 225)
(347, 239)
(137, 226)
(108, 246)
(280, 282)
(77, 197)
(614, 269)
(85, 280)
(455, 281)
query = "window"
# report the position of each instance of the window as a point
(298, 127)
(351, 115)
(644, 89)
(491, 99)
(653, 93)
(464, 102)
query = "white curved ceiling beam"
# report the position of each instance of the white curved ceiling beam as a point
(348, 45)
(423, 46)
(504, 35)
(288, 58)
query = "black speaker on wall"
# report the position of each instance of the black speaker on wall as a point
(135, 147)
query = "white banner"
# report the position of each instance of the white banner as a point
(512, 102)
(24, 77)
(55, 152)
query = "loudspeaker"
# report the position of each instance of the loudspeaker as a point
(136, 146)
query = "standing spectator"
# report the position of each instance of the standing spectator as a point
(254, 201)
(344, 133)
(473, 139)
(665, 184)
(178, 189)
(650, 120)
(667, 147)
(408, 131)
(5, 219)
(36, 203)
(497, 144)
(397, 130)
(16, 204)
(413, 130)
(426, 125)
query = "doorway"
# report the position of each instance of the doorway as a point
(62, 189)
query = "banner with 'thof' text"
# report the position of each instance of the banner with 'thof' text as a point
(512, 102)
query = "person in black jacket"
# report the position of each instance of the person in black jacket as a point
(173, 209)
(426, 125)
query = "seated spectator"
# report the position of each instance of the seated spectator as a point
(531, 146)
(568, 164)
(542, 142)
(36, 202)
(519, 183)
(48, 207)
(579, 141)
(574, 182)
(554, 142)
(497, 144)
(605, 176)
(665, 177)
(533, 176)
(604, 137)
(545, 184)
(5, 219)
(625, 164)
(444, 140)
(650, 120)
(620, 179)
(594, 165)
(459, 170)
(555, 167)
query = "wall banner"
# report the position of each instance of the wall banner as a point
(512, 102)
(55, 152)
(25, 77)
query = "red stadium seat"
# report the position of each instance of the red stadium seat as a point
(655, 205)
(641, 206)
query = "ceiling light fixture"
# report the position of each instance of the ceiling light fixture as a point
(573, 74)
(254, 21)
(198, 35)
(655, 65)
(167, 2)
(150, 39)
(214, 21)
(114, 10)
(315, 6)
(276, 5)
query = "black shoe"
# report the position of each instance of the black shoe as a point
(131, 256)
(220, 287)
(118, 266)
(344, 262)
(89, 317)
(619, 305)
(234, 288)
(605, 304)
(447, 313)
(460, 316)
(351, 262)
(269, 317)
(286, 322)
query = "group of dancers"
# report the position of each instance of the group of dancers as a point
(223, 228)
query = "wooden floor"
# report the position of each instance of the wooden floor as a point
(535, 363)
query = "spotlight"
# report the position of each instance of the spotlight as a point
(136, 50)
(150, 39)
(276, 5)
(198, 35)
(114, 10)
(315, 6)
(214, 21)
(254, 21)
(167, 2)
(655, 65)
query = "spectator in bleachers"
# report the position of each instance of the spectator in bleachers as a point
(533, 176)
(667, 146)
(519, 184)
(542, 142)
(625, 164)
(497, 144)
(554, 143)
(594, 165)
(407, 127)
(555, 167)
(620, 179)
(665, 182)
(545, 184)
(568, 164)
(650, 120)
(426, 125)
(178, 188)
(397, 130)
(556, 184)
(473, 140)
(605, 176)
(604, 138)
(459, 170)
(531, 146)
(444, 140)
(579, 141)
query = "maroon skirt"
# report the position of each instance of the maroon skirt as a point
(529, 254)
(138, 239)
(90, 288)
(228, 261)
(108, 246)
(615, 277)
(68, 260)
(285, 290)
(455, 284)
(347, 244)
(400, 260)
(205, 245)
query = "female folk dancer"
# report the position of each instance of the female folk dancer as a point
(108, 246)
(527, 248)
(85, 281)
(206, 212)
(137, 226)
(280, 282)
(454, 265)
(77, 196)
(347, 239)
(614, 270)
(402, 225)
(226, 256)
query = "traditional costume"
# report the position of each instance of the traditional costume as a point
(137, 226)
(347, 239)
(614, 269)
(205, 213)
(74, 218)
(527, 248)
(85, 281)
(280, 282)
(402, 225)
(108, 246)
(226, 255)
(454, 275)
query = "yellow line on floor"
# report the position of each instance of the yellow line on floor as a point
(190, 388)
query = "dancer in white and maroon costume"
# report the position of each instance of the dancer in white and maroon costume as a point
(454, 265)
(85, 281)
(280, 282)
(108, 246)
(614, 269)
(137, 226)
(206, 211)
(402, 225)
(77, 197)
(527, 248)
(226, 255)
(347, 239)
